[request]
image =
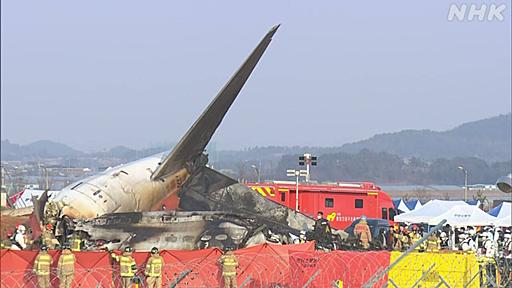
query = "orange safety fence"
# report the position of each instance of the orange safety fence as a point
(266, 265)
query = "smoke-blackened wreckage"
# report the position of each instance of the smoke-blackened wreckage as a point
(113, 209)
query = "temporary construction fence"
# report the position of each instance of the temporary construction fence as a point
(264, 265)
(433, 269)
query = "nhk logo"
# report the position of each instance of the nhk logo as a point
(482, 12)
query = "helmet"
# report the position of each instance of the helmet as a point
(154, 250)
(443, 234)
(302, 232)
(363, 217)
(206, 238)
(21, 228)
(66, 246)
(128, 249)
(507, 236)
(44, 248)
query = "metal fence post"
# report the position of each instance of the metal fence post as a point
(245, 281)
(311, 279)
(179, 278)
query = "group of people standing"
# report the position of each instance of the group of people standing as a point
(67, 261)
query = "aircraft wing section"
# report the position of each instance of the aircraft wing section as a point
(197, 137)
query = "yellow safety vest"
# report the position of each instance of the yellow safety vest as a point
(42, 264)
(126, 263)
(229, 264)
(66, 264)
(154, 266)
(75, 244)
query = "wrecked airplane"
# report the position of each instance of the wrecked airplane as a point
(111, 209)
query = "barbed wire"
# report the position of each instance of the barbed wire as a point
(300, 269)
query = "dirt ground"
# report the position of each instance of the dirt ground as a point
(8, 223)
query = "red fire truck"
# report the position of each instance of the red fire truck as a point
(341, 203)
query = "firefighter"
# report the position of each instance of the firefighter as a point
(154, 269)
(127, 266)
(302, 237)
(7, 242)
(433, 243)
(41, 268)
(205, 242)
(229, 264)
(76, 242)
(415, 237)
(363, 233)
(66, 267)
(322, 231)
(47, 237)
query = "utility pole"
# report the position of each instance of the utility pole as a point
(465, 182)
(296, 173)
(308, 160)
(258, 171)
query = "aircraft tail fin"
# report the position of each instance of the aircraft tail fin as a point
(197, 137)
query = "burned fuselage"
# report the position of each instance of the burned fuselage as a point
(171, 230)
(230, 215)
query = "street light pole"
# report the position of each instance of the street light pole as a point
(308, 160)
(257, 171)
(297, 190)
(465, 182)
(296, 173)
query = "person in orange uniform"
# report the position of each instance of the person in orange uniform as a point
(363, 233)
(66, 267)
(42, 267)
(154, 269)
(127, 266)
(229, 263)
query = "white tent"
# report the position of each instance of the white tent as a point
(502, 211)
(401, 206)
(430, 210)
(504, 222)
(464, 215)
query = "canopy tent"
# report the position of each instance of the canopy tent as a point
(502, 210)
(431, 209)
(474, 202)
(504, 222)
(413, 204)
(464, 215)
(401, 206)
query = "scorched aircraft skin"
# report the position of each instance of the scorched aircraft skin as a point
(123, 194)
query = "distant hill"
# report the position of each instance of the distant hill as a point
(489, 139)
(37, 150)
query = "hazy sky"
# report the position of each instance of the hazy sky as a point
(95, 74)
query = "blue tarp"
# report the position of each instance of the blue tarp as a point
(501, 211)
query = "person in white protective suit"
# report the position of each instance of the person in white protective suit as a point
(19, 240)
(488, 245)
(467, 244)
